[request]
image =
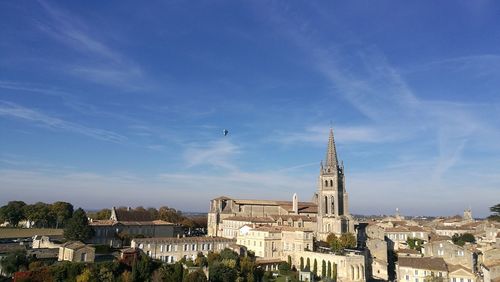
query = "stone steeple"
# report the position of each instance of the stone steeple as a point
(331, 162)
(332, 198)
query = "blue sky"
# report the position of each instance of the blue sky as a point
(114, 103)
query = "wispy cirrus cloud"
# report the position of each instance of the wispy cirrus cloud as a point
(99, 63)
(13, 110)
(391, 111)
(172, 189)
(218, 154)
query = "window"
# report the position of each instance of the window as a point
(416, 271)
(461, 280)
(416, 279)
(454, 279)
(407, 277)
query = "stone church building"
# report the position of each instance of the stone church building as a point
(327, 213)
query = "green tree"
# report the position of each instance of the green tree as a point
(170, 215)
(62, 212)
(415, 243)
(13, 212)
(103, 214)
(77, 227)
(315, 267)
(247, 266)
(153, 213)
(329, 270)
(289, 260)
(348, 240)
(212, 257)
(39, 213)
(461, 239)
(433, 278)
(301, 263)
(308, 264)
(334, 242)
(201, 260)
(105, 275)
(86, 276)
(14, 261)
(495, 216)
(143, 268)
(222, 273)
(196, 276)
(284, 267)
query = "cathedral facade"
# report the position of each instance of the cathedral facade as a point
(327, 213)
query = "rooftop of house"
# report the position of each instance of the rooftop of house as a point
(180, 240)
(456, 267)
(427, 263)
(294, 217)
(132, 215)
(278, 229)
(11, 247)
(408, 251)
(74, 245)
(492, 263)
(249, 219)
(109, 222)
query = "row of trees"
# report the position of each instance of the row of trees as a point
(338, 244)
(226, 266)
(495, 210)
(57, 214)
(53, 215)
(163, 213)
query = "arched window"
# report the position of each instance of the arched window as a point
(331, 183)
(326, 204)
(332, 199)
(326, 183)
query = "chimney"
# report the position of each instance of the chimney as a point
(295, 204)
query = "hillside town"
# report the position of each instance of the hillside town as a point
(249, 240)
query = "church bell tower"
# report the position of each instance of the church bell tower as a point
(332, 198)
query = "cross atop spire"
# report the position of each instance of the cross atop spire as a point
(331, 162)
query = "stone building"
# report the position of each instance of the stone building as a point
(349, 267)
(76, 252)
(171, 250)
(420, 269)
(231, 225)
(272, 242)
(451, 253)
(397, 236)
(327, 213)
(130, 223)
(459, 273)
(376, 246)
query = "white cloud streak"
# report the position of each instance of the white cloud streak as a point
(13, 110)
(217, 154)
(101, 64)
